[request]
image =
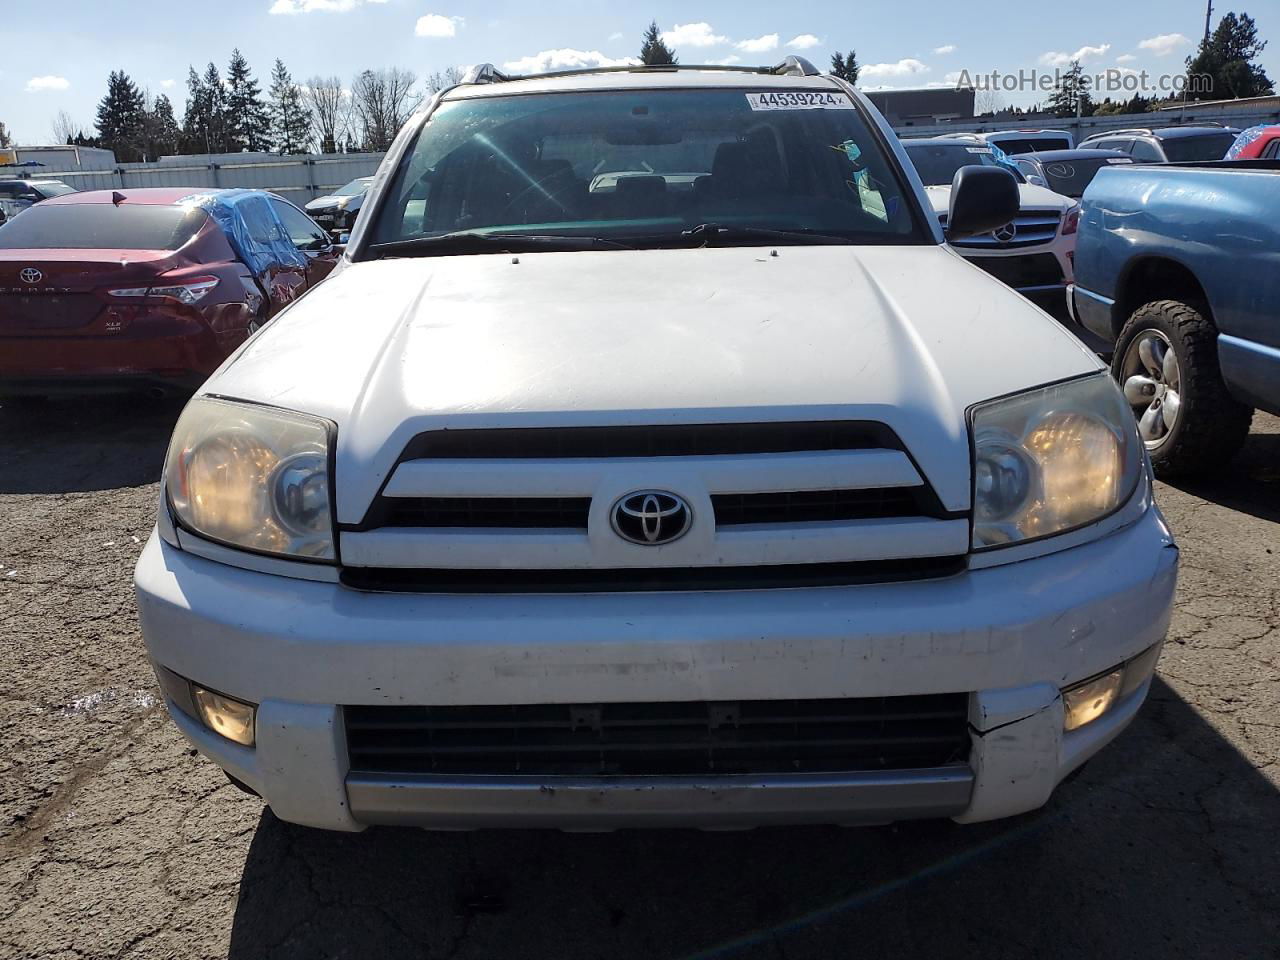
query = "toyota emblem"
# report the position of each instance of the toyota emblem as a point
(1006, 233)
(651, 517)
(30, 275)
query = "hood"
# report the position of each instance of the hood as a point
(322, 203)
(1029, 197)
(908, 335)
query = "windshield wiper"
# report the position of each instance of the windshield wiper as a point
(709, 233)
(469, 240)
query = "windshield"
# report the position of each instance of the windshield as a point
(1071, 177)
(1031, 144)
(1213, 146)
(641, 166)
(102, 226)
(354, 188)
(937, 163)
(53, 189)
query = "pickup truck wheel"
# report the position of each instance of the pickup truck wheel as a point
(1166, 361)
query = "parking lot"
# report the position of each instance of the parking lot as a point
(117, 842)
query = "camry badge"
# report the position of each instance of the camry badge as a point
(651, 517)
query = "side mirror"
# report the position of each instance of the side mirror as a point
(982, 198)
(1035, 180)
(343, 239)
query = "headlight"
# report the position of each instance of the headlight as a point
(252, 477)
(1051, 460)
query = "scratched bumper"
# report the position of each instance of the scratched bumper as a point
(1009, 636)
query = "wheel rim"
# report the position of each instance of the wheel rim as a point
(1152, 382)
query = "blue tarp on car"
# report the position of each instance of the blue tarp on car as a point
(254, 230)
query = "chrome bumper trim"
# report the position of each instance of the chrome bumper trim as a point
(574, 803)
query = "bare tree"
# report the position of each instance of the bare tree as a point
(64, 128)
(987, 101)
(442, 80)
(330, 107)
(381, 102)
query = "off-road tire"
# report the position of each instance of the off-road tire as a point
(1212, 424)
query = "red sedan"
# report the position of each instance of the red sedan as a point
(146, 289)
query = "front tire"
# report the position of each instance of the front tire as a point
(1166, 361)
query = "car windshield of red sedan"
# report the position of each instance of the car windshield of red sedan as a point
(102, 226)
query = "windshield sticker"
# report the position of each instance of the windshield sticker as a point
(986, 150)
(799, 100)
(850, 150)
(1119, 160)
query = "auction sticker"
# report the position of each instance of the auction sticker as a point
(799, 100)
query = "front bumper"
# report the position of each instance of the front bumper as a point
(1010, 636)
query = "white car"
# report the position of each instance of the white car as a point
(718, 501)
(1035, 252)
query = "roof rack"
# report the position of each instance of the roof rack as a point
(790, 67)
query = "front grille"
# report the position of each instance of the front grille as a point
(653, 579)
(675, 440)
(512, 512)
(815, 506)
(1031, 227)
(656, 739)
(1036, 270)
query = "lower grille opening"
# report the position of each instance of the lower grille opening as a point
(656, 739)
(1035, 270)
(620, 580)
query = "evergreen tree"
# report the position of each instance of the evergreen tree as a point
(215, 104)
(846, 68)
(248, 124)
(162, 133)
(5, 140)
(290, 118)
(1226, 59)
(121, 117)
(1072, 92)
(654, 51)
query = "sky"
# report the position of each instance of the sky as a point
(54, 62)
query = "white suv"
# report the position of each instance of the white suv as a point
(651, 460)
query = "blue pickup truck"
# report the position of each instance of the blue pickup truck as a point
(1178, 266)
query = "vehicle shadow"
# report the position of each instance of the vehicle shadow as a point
(84, 443)
(1249, 483)
(1165, 845)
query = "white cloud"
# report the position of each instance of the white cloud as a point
(616, 35)
(50, 82)
(946, 48)
(289, 7)
(903, 68)
(1056, 59)
(693, 35)
(564, 59)
(166, 84)
(725, 61)
(1164, 44)
(1126, 58)
(759, 45)
(803, 42)
(437, 25)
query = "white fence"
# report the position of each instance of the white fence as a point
(298, 178)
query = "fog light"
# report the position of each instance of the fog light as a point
(226, 716)
(1088, 701)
